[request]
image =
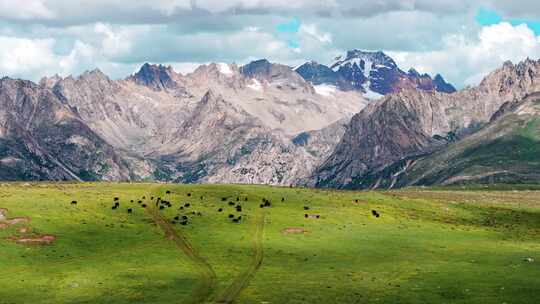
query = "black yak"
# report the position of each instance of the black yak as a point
(220, 210)
(231, 215)
(167, 192)
(129, 210)
(231, 204)
(74, 202)
(143, 205)
(306, 207)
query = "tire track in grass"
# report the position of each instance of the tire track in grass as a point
(232, 292)
(203, 291)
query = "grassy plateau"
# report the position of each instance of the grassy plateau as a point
(444, 245)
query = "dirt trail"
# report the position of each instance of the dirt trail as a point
(208, 277)
(243, 279)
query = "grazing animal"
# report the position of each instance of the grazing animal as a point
(129, 210)
(184, 217)
(239, 208)
(184, 223)
(144, 197)
(152, 198)
(237, 199)
(231, 215)
(202, 197)
(306, 215)
(177, 217)
(161, 207)
(240, 217)
(245, 199)
(317, 216)
(267, 204)
(131, 201)
(282, 199)
(143, 205)
(261, 205)
(235, 220)
(181, 208)
(220, 210)
(189, 194)
(375, 213)
(223, 199)
(167, 192)
(116, 199)
(231, 204)
(139, 202)
(187, 205)
(356, 200)
(74, 202)
(306, 207)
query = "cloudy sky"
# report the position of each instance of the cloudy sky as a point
(461, 39)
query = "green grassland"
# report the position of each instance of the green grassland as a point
(427, 246)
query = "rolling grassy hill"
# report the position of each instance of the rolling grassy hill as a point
(427, 246)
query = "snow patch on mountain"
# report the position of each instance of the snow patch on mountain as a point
(325, 89)
(255, 85)
(225, 69)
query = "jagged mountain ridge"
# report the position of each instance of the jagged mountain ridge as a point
(373, 73)
(219, 123)
(414, 123)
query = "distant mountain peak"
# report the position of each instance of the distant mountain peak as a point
(158, 77)
(372, 72)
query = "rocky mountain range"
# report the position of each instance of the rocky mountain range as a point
(268, 123)
(388, 136)
(373, 73)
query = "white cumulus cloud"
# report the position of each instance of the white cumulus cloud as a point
(466, 61)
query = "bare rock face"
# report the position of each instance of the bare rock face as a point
(413, 123)
(41, 138)
(221, 123)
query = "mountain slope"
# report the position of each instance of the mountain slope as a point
(413, 123)
(43, 139)
(505, 151)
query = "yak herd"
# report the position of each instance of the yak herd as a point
(183, 219)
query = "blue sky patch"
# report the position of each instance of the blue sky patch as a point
(487, 17)
(291, 26)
